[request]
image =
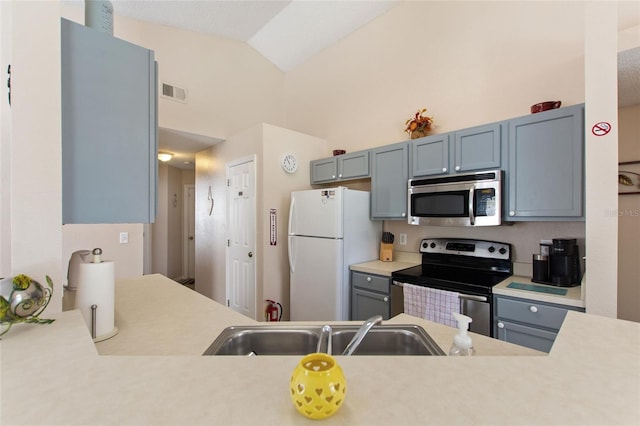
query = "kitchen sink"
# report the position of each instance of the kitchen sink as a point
(265, 340)
(387, 340)
(282, 339)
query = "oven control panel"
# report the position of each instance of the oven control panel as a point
(463, 247)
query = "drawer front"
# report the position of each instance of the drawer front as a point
(370, 282)
(531, 312)
(534, 338)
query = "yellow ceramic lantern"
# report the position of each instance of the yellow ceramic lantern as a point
(318, 386)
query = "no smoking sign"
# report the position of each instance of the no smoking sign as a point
(601, 128)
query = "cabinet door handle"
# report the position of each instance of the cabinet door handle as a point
(512, 213)
(444, 169)
(340, 175)
(457, 168)
(386, 299)
(500, 324)
(368, 279)
(533, 309)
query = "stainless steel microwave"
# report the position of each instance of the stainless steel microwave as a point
(470, 199)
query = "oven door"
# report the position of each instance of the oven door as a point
(477, 307)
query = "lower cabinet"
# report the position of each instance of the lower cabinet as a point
(370, 296)
(528, 323)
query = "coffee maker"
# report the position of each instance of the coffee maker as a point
(564, 262)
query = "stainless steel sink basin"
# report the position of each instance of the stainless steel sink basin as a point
(387, 340)
(282, 339)
(265, 340)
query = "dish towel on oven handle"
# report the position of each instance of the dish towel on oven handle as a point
(431, 304)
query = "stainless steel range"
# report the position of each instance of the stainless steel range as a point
(468, 267)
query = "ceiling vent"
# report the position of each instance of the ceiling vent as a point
(173, 92)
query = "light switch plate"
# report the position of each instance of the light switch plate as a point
(124, 238)
(403, 239)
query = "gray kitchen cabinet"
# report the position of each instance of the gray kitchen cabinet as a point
(545, 174)
(109, 128)
(528, 323)
(324, 170)
(354, 165)
(389, 176)
(370, 295)
(430, 155)
(477, 148)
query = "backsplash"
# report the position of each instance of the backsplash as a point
(523, 236)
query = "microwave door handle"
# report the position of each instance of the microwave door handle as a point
(472, 218)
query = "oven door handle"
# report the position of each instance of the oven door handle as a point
(471, 297)
(472, 193)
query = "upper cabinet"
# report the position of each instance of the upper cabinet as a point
(545, 174)
(430, 155)
(109, 128)
(354, 165)
(476, 148)
(389, 176)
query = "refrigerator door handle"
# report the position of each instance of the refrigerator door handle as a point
(293, 204)
(290, 252)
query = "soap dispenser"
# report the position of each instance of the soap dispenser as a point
(462, 344)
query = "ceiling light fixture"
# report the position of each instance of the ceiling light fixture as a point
(165, 156)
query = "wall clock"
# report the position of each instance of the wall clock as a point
(289, 163)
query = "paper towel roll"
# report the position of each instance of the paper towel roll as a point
(96, 286)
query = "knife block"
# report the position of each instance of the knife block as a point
(386, 252)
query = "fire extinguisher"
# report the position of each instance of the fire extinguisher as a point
(274, 311)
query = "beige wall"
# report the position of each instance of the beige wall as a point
(629, 221)
(468, 63)
(166, 231)
(127, 258)
(268, 143)
(230, 87)
(277, 186)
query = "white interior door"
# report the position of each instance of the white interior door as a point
(241, 223)
(189, 253)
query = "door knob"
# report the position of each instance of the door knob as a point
(190, 238)
(250, 254)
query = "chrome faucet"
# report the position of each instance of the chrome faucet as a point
(362, 332)
(325, 338)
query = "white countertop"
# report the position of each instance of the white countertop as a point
(401, 260)
(55, 375)
(573, 297)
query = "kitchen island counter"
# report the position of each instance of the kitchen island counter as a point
(55, 375)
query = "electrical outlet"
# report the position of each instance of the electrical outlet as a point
(403, 239)
(124, 238)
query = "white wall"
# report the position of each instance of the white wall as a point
(601, 157)
(5, 145)
(34, 145)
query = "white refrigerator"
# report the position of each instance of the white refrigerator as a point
(329, 230)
